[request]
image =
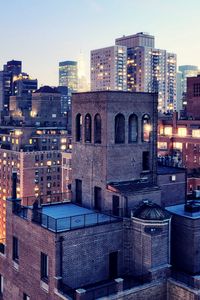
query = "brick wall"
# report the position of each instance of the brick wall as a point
(86, 253)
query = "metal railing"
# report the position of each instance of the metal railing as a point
(20, 210)
(49, 199)
(73, 222)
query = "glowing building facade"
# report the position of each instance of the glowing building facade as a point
(150, 69)
(108, 69)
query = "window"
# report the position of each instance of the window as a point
(26, 297)
(97, 198)
(15, 249)
(78, 127)
(196, 90)
(119, 129)
(146, 128)
(177, 145)
(44, 266)
(162, 145)
(1, 284)
(173, 177)
(182, 131)
(97, 129)
(145, 161)
(196, 133)
(88, 128)
(132, 128)
(78, 183)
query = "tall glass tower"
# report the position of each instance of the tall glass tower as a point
(68, 75)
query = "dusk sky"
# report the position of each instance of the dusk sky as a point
(43, 32)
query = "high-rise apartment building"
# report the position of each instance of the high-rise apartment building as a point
(23, 84)
(108, 69)
(14, 83)
(150, 69)
(32, 141)
(12, 68)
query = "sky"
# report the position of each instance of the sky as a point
(43, 32)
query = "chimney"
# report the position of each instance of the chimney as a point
(14, 185)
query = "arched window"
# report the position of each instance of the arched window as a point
(132, 128)
(146, 128)
(97, 129)
(88, 128)
(119, 129)
(78, 127)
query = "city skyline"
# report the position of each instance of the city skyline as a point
(48, 32)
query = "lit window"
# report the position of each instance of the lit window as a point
(178, 146)
(162, 145)
(196, 133)
(168, 130)
(182, 131)
(173, 177)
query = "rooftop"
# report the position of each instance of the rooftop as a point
(46, 89)
(151, 211)
(129, 187)
(180, 211)
(163, 170)
(65, 216)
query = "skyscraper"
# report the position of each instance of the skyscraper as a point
(183, 73)
(14, 83)
(150, 69)
(68, 75)
(108, 69)
(11, 69)
(68, 78)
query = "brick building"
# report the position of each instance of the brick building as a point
(32, 141)
(107, 125)
(179, 145)
(193, 97)
(112, 241)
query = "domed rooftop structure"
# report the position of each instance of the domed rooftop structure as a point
(151, 211)
(47, 89)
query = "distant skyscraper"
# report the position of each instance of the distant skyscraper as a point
(68, 75)
(108, 69)
(14, 83)
(83, 85)
(187, 71)
(68, 78)
(23, 84)
(11, 69)
(150, 69)
(183, 73)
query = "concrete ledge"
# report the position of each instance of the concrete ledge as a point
(44, 286)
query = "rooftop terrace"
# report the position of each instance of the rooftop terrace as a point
(64, 216)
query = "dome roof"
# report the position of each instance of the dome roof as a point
(151, 211)
(47, 89)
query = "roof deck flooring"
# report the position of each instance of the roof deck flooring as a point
(67, 216)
